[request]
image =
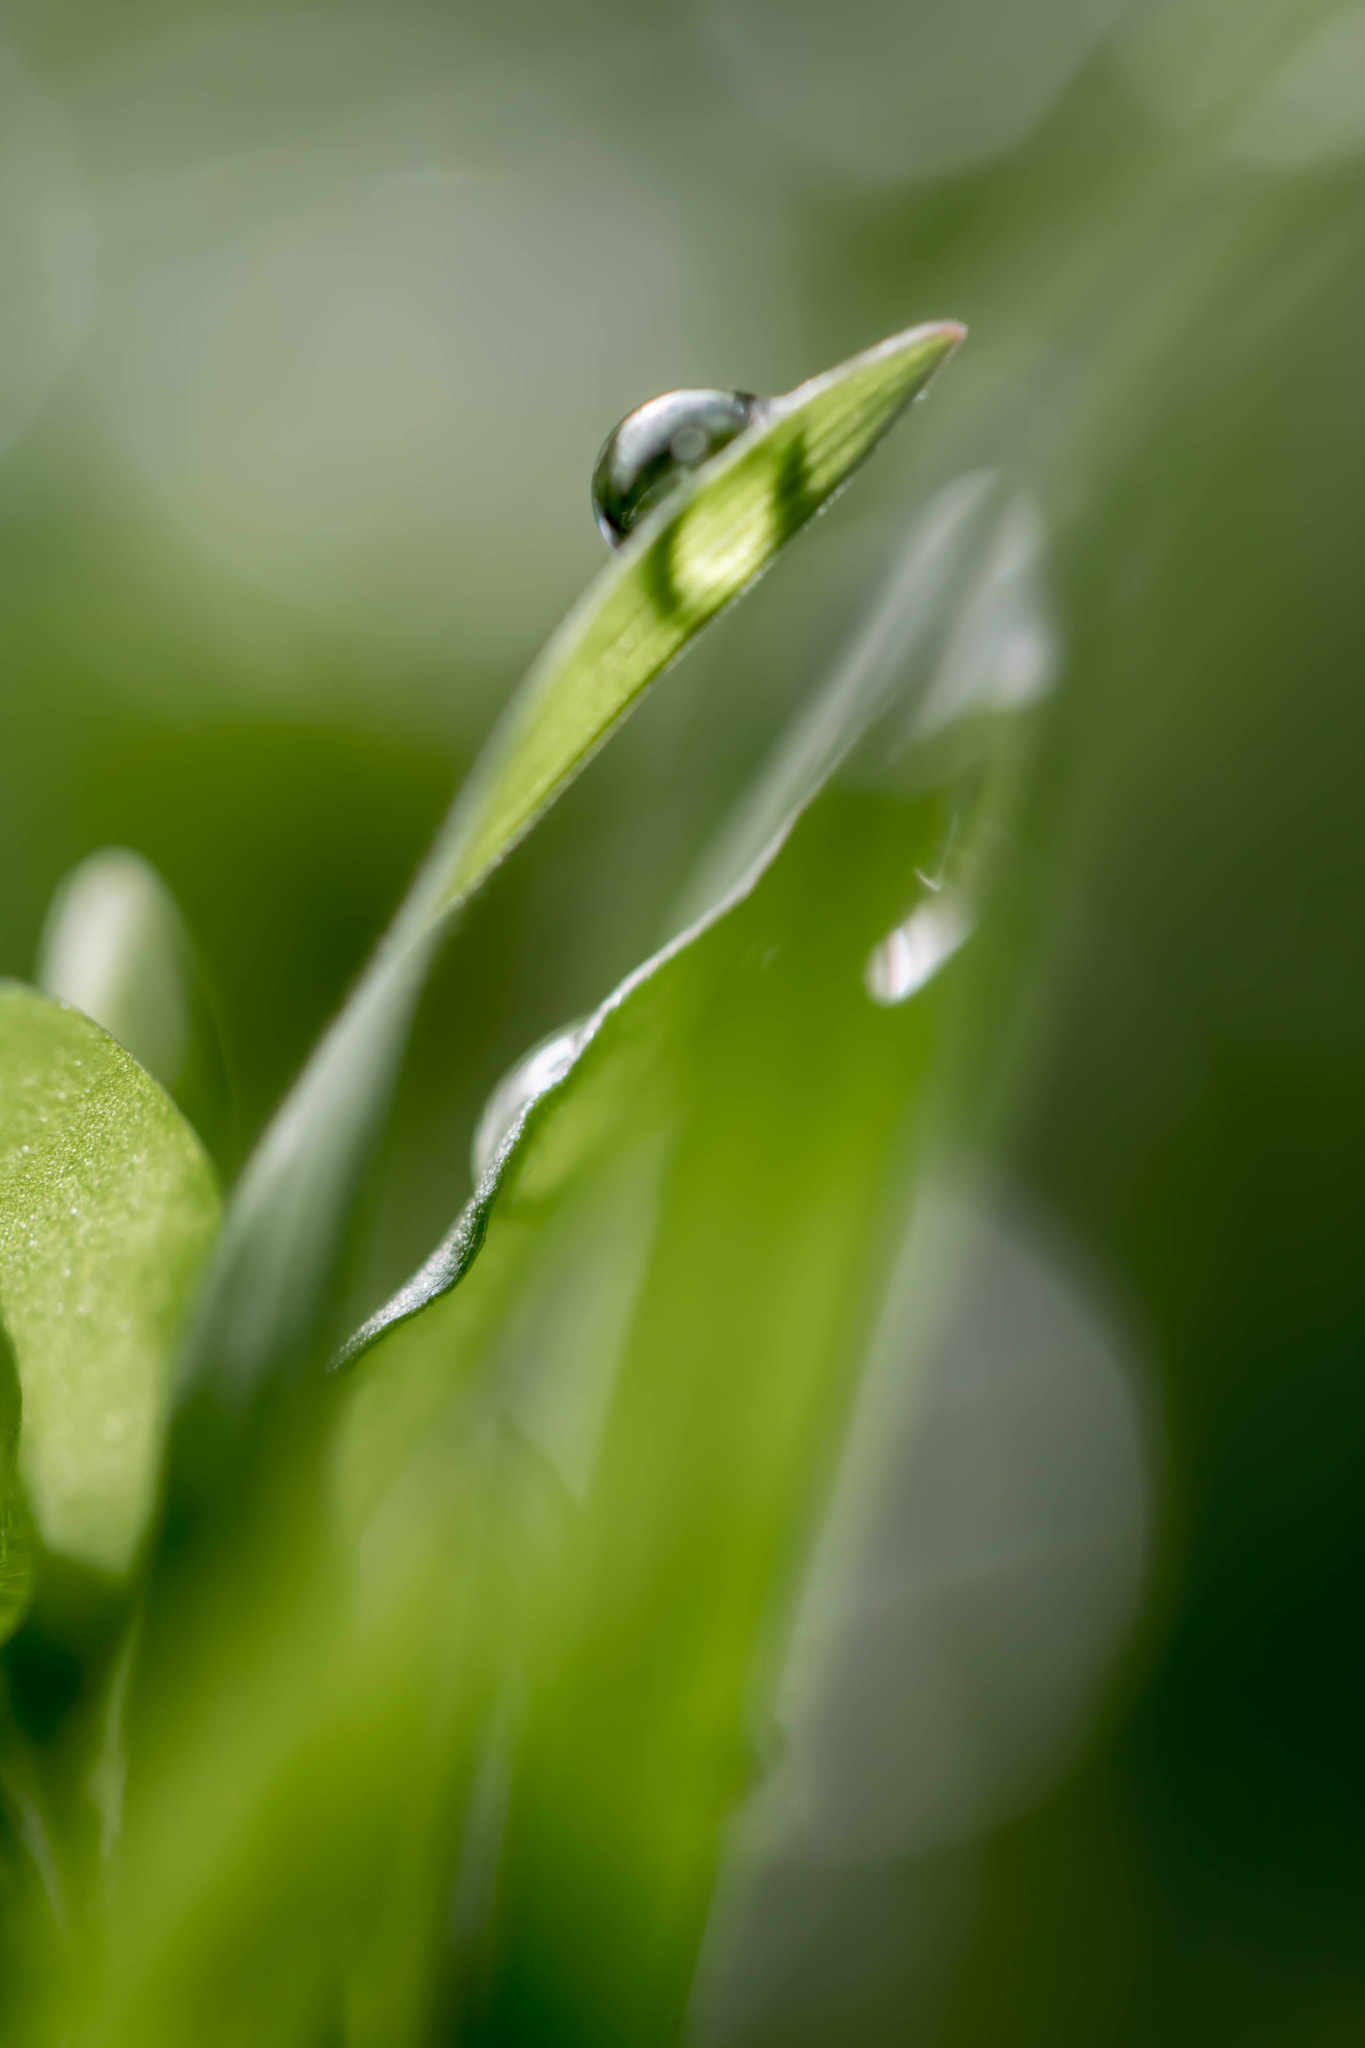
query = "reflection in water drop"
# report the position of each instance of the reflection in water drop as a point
(545, 1064)
(913, 953)
(657, 446)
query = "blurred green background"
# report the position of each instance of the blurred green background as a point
(312, 321)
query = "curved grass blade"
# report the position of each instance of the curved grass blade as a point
(108, 1208)
(875, 674)
(264, 1314)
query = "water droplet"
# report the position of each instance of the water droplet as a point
(545, 1064)
(913, 953)
(657, 446)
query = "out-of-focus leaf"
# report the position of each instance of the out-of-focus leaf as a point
(975, 1572)
(36, 1927)
(116, 946)
(322, 1716)
(108, 1208)
(729, 1391)
(289, 1219)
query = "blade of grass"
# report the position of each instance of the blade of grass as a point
(264, 1314)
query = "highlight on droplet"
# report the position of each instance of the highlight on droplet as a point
(656, 447)
(911, 955)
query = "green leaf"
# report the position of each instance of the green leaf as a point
(265, 1311)
(108, 1208)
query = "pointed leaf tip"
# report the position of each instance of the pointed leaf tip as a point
(681, 566)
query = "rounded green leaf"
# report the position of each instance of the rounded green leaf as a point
(108, 1207)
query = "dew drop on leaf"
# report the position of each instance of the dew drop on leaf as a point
(657, 447)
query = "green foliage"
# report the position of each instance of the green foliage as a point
(417, 1571)
(702, 1602)
(571, 1482)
